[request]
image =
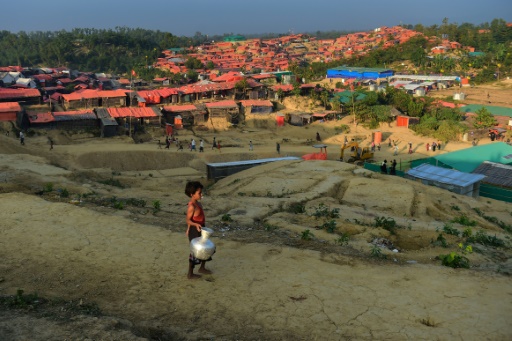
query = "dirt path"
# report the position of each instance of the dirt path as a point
(257, 291)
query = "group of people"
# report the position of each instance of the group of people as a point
(435, 145)
(192, 145)
(384, 167)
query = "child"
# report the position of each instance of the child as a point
(195, 221)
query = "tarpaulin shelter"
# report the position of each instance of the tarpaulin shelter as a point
(300, 119)
(253, 106)
(8, 111)
(149, 115)
(406, 121)
(40, 119)
(85, 98)
(78, 119)
(224, 111)
(191, 114)
(325, 115)
(25, 96)
(68, 120)
(320, 155)
(159, 96)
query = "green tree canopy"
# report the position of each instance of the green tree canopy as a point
(194, 63)
(484, 119)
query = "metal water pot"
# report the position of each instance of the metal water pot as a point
(202, 247)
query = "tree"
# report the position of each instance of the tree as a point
(324, 96)
(241, 86)
(484, 119)
(280, 94)
(449, 130)
(296, 89)
(335, 105)
(194, 63)
(415, 108)
(192, 76)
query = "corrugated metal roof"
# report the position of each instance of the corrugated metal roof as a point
(252, 162)
(444, 175)
(496, 173)
(425, 77)
(75, 115)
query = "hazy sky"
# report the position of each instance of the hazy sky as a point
(185, 17)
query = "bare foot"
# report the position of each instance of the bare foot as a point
(204, 271)
(193, 276)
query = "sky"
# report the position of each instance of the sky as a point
(216, 17)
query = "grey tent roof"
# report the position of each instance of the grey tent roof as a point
(251, 162)
(425, 77)
(496, 173)
(444, 175)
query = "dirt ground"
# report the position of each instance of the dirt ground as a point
(99, 225)
(499, 93)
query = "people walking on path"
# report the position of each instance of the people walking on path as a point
(193, 145)
(278, 148)
(214, 145)
(201, 146)
(318, 139)
(218, 147)
(251, 147)
(410, 147)
(395, 150)
(22, 138)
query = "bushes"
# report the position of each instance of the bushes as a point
(454, 260)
